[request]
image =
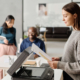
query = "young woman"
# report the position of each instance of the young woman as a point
(8, 45)
(70, 62)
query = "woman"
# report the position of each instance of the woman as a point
(8, 45)
(70, 62)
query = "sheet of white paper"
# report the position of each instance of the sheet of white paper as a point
(41, 53)
(2, 37)
(6, 60)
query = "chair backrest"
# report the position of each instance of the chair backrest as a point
(38, 30)
(20, 41)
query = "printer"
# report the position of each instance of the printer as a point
(18, 72)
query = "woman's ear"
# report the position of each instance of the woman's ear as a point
(75, 16)
(5, 21)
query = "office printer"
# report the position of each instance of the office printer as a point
(18, 72)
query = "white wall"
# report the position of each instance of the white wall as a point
(31, 17)
(76, 0)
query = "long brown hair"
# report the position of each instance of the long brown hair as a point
(5, 27)
(73, 8)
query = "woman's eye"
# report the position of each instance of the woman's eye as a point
(65, 16)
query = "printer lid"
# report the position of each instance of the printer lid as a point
(19, 61)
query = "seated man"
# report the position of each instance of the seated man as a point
(32, 38)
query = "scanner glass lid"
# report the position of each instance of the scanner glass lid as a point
(19, 61)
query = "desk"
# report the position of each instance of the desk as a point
(4, 63)
(40, 60)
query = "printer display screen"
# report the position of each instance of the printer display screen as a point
(36, 71)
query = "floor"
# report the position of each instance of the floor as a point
(55, 48)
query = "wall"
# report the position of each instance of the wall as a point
(13, 7)
(31, 17)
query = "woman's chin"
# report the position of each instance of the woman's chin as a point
(67, 25)
(10, 27)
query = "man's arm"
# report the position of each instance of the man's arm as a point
(22, 46)
(42, 47)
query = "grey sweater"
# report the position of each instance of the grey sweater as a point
(70, 62)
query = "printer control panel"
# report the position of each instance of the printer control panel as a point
(49, 74)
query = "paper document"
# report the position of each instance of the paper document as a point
(2, 37)
(41, 53)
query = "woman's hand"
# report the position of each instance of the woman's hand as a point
(5, 41)
(55, 59)
(53, 64)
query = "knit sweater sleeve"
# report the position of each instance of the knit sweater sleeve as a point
(72, 68)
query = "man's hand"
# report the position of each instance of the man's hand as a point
(53, 64)
(36, 56)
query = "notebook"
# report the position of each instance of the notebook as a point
(2, 37)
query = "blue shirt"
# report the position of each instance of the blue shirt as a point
(27, 43)
(9, 36)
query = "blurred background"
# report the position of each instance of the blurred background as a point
(45, 15)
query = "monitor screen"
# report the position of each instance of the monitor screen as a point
(36, 71)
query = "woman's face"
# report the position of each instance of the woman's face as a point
(10, 23)
(68, 18)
